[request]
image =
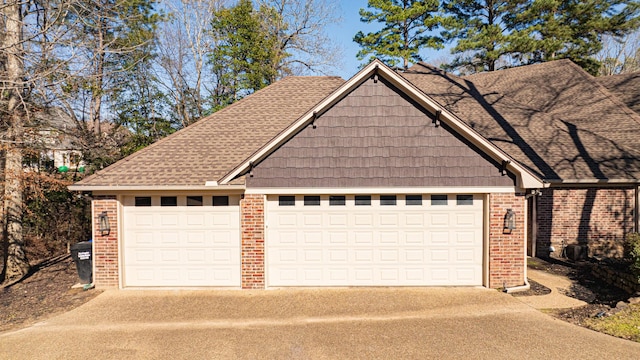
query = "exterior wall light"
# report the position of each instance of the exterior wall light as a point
(509, 221)
(105, 228)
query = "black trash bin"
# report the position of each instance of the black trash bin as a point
(82, 256)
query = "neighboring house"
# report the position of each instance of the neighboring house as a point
(55, 141)
(413, 178)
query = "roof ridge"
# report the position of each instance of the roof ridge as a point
(608, 94)
(520, 68)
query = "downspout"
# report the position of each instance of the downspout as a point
(526, 285)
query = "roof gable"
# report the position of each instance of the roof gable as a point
(375, 70)
(376, 137)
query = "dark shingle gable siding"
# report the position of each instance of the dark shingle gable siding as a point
(376, 137)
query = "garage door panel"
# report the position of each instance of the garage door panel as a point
(312, 219)
(414, 220)
(389, 238)
(312, 237)
(413, 255)
(144, 220)
(439, 219)
(338, 219)
(413, 238)
(337, 256)
(181, 246)
(361, 220)
(168, 220)
(389, 255)
(338, 237)
(389, 220)
(374, 245)
(288, 220)
(195, 220)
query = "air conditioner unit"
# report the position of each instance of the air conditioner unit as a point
(576, 252)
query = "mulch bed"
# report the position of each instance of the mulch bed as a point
(602, 299)
(44, 293)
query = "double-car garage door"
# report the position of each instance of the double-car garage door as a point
(379, 240)
(311, 240)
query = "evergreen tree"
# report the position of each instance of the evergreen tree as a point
(244, 57)
(493, 34)
(482, 33)
(553, 29)
(405, 31)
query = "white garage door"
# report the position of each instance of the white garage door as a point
(167, 243)
(388, 240)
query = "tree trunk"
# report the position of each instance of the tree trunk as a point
(16, 264)
(96, 97)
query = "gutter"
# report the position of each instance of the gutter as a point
(116, 188)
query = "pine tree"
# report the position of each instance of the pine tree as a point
(553, 29)
(244, 57)
(482, 33)
(405, 31)
(493, 34)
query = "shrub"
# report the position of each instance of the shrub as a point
(632, 252)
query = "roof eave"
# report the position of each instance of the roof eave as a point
(593, 182)
(120, 188)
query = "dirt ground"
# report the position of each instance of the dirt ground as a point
(602, 299)
(45, 293)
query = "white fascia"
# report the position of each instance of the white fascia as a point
(105, 189)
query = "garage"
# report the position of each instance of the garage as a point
(375, 240)
(181, 241)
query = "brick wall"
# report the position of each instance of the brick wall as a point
(598, 218)
(506, 251)
(252, 233)
(105, 248)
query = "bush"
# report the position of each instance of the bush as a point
(632, 252)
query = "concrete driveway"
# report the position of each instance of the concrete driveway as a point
(430, 323)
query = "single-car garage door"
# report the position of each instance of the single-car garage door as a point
(379, 240)
(181, 241)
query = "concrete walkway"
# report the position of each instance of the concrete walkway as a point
(361, 323)
(555, 299)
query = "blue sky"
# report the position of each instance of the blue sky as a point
(343, 33)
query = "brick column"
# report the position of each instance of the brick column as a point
(252, 233)
(506, 251)
(105, 248)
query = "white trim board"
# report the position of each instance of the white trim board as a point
(384, 190)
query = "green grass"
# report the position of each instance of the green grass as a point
(625, 324)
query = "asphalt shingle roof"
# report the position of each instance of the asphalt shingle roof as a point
(553, 118)
(210, 148)
(624, 86)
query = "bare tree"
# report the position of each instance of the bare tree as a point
(184, 42)
(620, 55)
(52, 53)
(13, 86)
(300, 27)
